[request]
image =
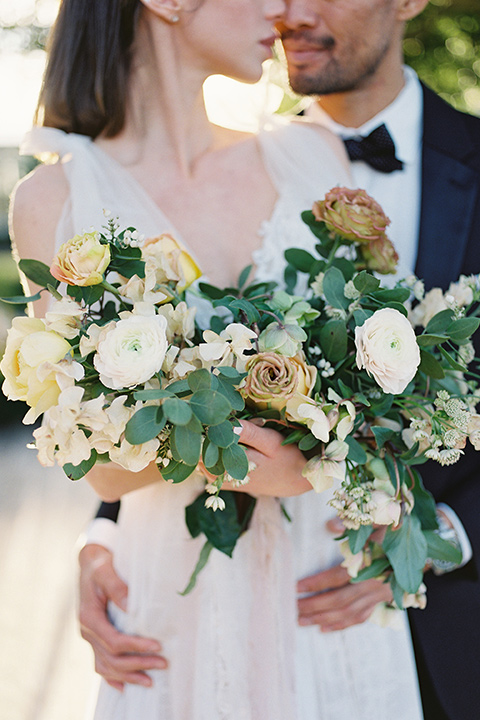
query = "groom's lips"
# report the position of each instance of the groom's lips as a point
(299, 52)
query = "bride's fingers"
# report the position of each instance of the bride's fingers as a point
(265, 440)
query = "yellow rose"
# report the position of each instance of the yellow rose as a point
(176, 263)
(81, 260)
(273, 379)
(30, 348)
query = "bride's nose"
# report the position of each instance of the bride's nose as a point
(274, 9)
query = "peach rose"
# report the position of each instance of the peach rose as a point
(175, 262)
(82, 260)
(352, 214)
(273, 379)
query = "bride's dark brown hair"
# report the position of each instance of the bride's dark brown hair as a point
(89, 56)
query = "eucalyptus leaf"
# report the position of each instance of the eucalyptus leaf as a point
(38, 272)
(210, 406)
(235, 461)
(210, 454)
(75, 472)
(21, 299)
(400, 295)
(199, 380)
(222, 435)
(177, 411)
(451, 361)
(307, 442)
(425, 507)
(144, 425)
(177, 471)
(188, 444)
(243, 277)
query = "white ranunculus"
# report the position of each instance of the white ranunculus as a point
(387, 348)
(432, 303)
(131, 351)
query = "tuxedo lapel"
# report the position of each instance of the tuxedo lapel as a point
(450, 188)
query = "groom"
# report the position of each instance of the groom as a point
(349, 53)
(427, 179)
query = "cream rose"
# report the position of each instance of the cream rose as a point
(273, 379)
(387, 348)
(352, 214)
(173, 260)
(28, 363)
(81, 260)
(131, 351)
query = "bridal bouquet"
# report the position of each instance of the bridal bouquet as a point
(120, 371)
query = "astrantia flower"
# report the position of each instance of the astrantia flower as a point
(387, 348)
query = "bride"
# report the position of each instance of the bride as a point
(122, 110)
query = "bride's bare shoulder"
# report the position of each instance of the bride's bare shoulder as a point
(36, 205)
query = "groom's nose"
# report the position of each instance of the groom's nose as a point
(299, 13)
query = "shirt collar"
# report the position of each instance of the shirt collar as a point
(403, 118)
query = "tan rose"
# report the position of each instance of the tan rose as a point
(352, 214)
(274, 379)
(172, 260)
(380, 255)
(81, 260)
(27, 364)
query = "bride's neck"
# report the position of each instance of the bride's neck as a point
(166, 116)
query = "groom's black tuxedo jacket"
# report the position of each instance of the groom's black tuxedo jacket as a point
(447, 632)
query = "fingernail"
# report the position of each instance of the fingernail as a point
(145, 682)
(304, 621)
(237, 430)
(123, 603)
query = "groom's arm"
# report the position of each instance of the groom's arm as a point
(119, 658)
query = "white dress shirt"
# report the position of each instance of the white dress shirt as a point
(398, 192)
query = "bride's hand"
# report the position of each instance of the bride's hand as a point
(277, 468)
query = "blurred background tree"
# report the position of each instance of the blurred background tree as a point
(443, 46)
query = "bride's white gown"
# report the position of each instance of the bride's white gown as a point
(235, 650)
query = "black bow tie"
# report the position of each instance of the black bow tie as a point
(377, 150)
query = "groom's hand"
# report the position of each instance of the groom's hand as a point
(334, 603)
(119, 658)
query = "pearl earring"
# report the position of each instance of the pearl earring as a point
(174, 18)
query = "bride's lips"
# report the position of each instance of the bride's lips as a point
(268, 42)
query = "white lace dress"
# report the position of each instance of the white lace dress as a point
(235, 650)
